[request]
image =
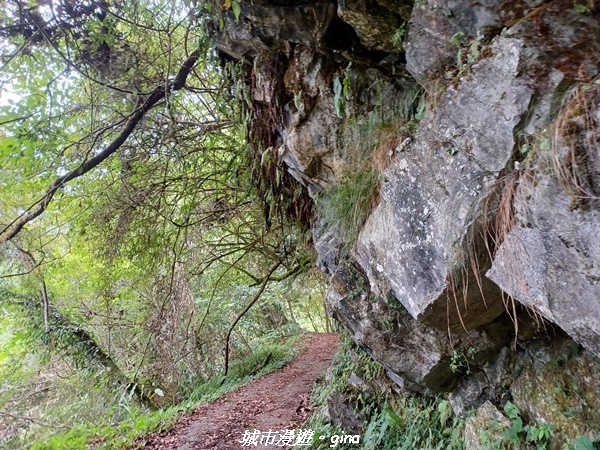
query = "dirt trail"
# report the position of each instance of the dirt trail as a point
(276, 401)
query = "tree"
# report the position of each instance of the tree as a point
(129, 176)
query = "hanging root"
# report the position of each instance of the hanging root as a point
(576, 139)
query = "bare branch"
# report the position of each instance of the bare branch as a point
(12, 229)
(261, 289)
(33, 420)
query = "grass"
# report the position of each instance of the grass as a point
(391, 421)
(368, 143)
(575, 140)
(413, 421)
(118, 424)
(345, 208)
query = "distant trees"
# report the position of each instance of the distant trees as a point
(127, 200)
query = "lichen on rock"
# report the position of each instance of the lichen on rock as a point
(484, 208)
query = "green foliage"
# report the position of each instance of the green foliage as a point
(369, 146)
(390, 421)
(89, 421)
(346, 207)
(585, 443)
(400, 35)
(460, 360)
(517, 434)
(145, 260)
(469, 52)
(458, 39)
(338, 98)
(582, 8)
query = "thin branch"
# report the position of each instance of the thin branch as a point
(19, 274)
(33, 420)
(12, 229)
(261, 289)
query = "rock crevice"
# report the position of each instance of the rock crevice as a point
(480, 124)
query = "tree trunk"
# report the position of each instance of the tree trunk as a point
(58, 324)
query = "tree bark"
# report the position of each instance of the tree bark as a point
(55, 321)
(13, 228)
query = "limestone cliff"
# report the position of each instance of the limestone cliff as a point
(465, 140)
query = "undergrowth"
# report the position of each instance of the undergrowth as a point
(383, 419)
(389, 421)
(346, 204)
(119, 423)
(346, 207)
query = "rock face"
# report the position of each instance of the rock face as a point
(416, 357)
(558, 385)
(435, 192)
(481, 124)
(550, 260)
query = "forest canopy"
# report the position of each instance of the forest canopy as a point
(135, 227)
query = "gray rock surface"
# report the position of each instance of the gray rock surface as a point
(485, 426)
(437, 28)
(420, 356)
(413, 245)
(558, 385)
(475, 189)
(550, 261)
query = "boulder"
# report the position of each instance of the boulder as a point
(416, 357)
(550, 260)
(418, 245)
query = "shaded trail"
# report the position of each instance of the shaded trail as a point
(276, 401)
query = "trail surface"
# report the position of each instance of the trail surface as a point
(277, 401)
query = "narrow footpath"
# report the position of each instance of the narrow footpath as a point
(277, 402)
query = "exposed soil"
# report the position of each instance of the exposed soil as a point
(277, 401)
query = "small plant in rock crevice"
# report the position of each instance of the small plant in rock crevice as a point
(391, 422)
(400, 35)
(517, 434)
(469, 52)
(460, 361)
(347, 203)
